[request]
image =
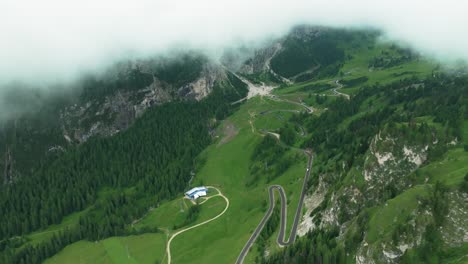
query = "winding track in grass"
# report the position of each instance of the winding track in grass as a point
(168, 247)
(282, 233)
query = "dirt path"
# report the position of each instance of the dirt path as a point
(168, 247)
(251, 116)
(276, 135)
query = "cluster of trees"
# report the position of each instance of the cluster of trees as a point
(430, 249)
(318, 246)
(191, 217)
(320, 99)
(464, 185)
(288, 134)
(269, 160)
(392, 58)
(317, 88)
(355, 81)
(182, 70)
(388, 61)
(441, 98)
(111, 215)
(301, 54)
(271, 225)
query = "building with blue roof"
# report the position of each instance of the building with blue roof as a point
(196, 192)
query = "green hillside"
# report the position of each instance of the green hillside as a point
(388, 129)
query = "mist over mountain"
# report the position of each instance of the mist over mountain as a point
(113, 113)
(48, 41)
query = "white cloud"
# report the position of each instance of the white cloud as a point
(52, 40)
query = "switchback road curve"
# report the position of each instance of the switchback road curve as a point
(282, 233)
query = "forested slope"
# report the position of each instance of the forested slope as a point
(371, 154)
(150, 162)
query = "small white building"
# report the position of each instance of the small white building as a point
(196, 192)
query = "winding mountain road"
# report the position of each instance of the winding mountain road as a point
(253, 90)
(339, 86)
(282, 233)
(168, 247)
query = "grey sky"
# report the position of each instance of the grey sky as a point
(52, 40)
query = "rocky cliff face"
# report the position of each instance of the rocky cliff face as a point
(109, 103)
(260, 61)
(307, 33)
(388, 162)
(203, 86)
(117, 111)
(385, 182)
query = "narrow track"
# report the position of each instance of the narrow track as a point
(282, 233)
(168, 247)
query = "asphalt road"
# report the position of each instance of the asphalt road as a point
(339, 86)
(280, 240)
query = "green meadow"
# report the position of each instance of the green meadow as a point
(146, 248)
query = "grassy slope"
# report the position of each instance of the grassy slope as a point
(361, 56)
(450, 169)
(113, 250)
(68, 222)
(386, 217)
(227, 167)
(358, 66)
(175, 212)
(144, 248)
